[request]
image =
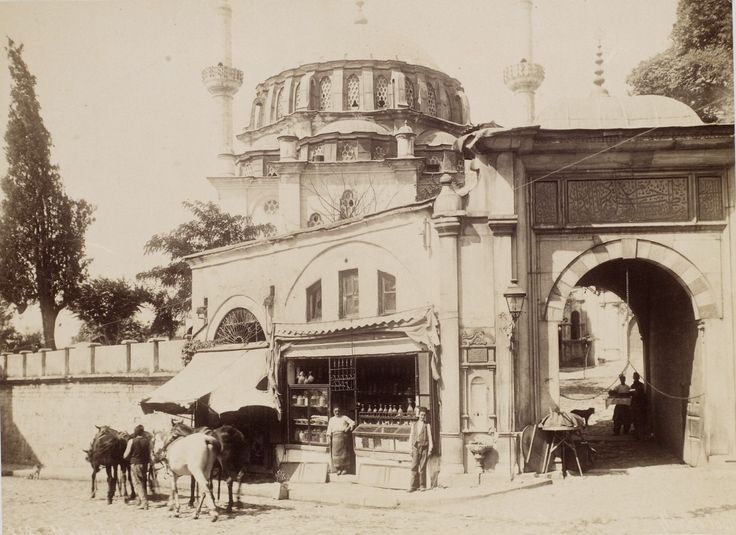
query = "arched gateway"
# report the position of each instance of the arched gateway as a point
(671, 298)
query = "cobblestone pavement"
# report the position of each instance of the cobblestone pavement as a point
(653, 499)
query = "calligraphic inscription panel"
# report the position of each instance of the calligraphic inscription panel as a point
(710, 198)
(545, 203)
(638, 200)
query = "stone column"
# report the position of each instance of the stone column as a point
(290, 209)
(447, 219)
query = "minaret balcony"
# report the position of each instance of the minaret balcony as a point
(222, 79)
(523, 76)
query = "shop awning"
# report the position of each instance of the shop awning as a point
(228, 378)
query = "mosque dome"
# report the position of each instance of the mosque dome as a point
(604, 111)
(601, 110)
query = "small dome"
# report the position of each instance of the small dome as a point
(435, 138)
(351, 126)
(604, 111)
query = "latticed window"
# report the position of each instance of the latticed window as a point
(318, 153)
(409, 90)
(248, 168)
(325, 93)
(381, 92)
(379, 153)
(298, 96)
(347, 204)
(348, 152)
(271, 170)
(271, 207)
(239, 326)
(314, 220)
(280, 104)
(432, 165)
(431, 100)
(353, 92)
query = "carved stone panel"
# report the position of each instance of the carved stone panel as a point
(545, 203)
(710, 198)
(639, 200)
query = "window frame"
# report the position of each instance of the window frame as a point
(343, 277)
(314, 307)
(382, 293)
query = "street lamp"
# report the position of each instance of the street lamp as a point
(515, 297)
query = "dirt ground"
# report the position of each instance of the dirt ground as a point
(652, 499)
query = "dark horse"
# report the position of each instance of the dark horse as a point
(231, 456)
(106, 449)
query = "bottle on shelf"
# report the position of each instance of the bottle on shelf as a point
(309, 379)
(300, 377)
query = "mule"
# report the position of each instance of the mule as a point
(106, 449)
(192, 455)
(230, 460)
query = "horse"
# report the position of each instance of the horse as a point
(230, 459)
(106, 449)
(193, 455)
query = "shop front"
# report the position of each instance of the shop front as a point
(377, 375)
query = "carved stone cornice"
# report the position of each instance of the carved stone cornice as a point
(447, 225)
(289, 168)
(503, 224)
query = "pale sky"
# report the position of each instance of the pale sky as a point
(120, 91)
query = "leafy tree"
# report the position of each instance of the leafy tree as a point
(698, 68)
(210, 228)
(8, 334)
(41, 229)
(107, 307)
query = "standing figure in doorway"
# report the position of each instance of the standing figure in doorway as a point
(622, 412)
(338, 431)
(638, 406)
(138, 450)
(420, 439)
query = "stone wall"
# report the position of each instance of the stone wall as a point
(50, 402)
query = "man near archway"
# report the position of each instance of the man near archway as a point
(622, 412)
(638, 406)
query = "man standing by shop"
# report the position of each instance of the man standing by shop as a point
(420, 439)
(138, 450)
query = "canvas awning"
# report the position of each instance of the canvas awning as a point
(227, 378)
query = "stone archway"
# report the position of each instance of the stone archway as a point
(705, 305)
(671, 297)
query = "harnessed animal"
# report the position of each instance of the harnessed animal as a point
(106, 449)
(192, 455)
(230, 459)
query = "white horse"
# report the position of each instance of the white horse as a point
(192, 455)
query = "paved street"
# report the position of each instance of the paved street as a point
(651, 499)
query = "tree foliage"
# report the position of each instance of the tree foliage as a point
(41, 228)
(210, 228)
(107, 307)
(698, 68)
(8, 333)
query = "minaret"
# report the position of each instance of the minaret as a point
(223, 81)
(525, 77)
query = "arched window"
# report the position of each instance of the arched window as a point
(458, 111)
(347, 204)
(348, 152)
(449, 107)
(379, 153)
(381, 93)
(271, 170)
(280, 103)
(314, 220)
(325, 93)
(431, 100)
(353, 94)
(409, 90)
(258, 115)
(575, 325)
(239, 326)
(297, 96)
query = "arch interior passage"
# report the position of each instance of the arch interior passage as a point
(669, 332)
